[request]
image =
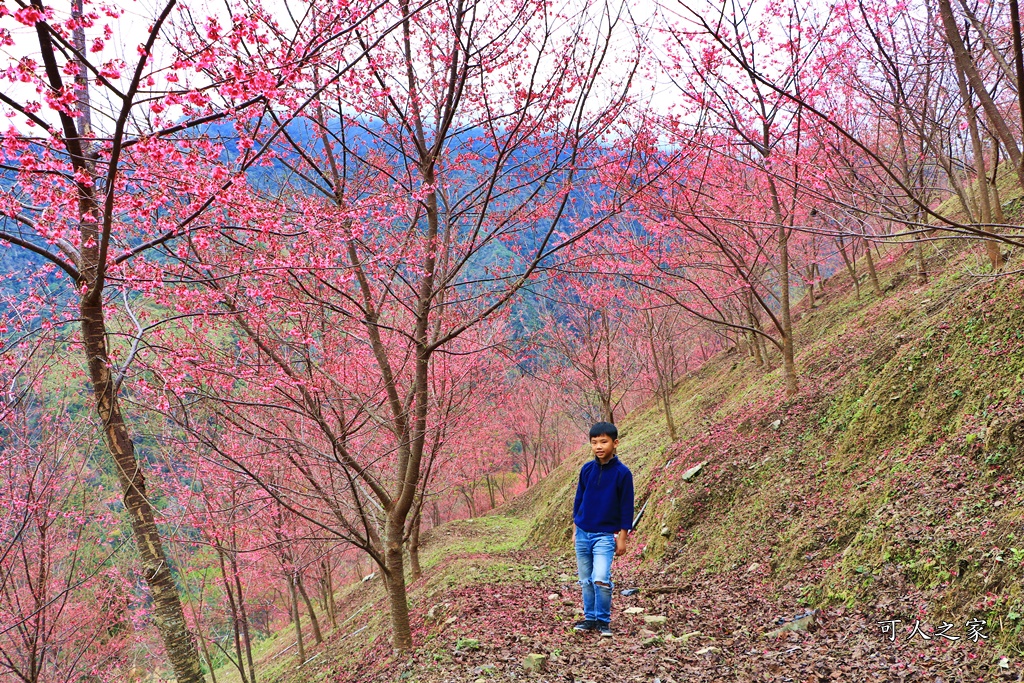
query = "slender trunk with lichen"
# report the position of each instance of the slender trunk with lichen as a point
(997, 201)
(666, 402)
(394, 559)
(995, 257)
(921, 219)
(850, 263)
(788, 362)
(757, 339)
(785, 313)
(328, 586)
(318, 635)
(415, 570)
(236, 627)
(1018, 64)
(244, 616)
(168, 615)
(810, 287)
(293, 594)
(872, 273)
(998, 124)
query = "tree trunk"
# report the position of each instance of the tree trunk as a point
(236, 627)
(997, 202)
(332, 606)
(317, 633)
(810, 287)
(922, 272)
(203, 641)
(1018, 62)
(755, 340)
(470, 503)
(785, 312)
(851, 266)
(321, 593)
(209, 659)
(742, 344)
(607, 413)
(395, 564)
(995, 257)
(295, 618)
(666, 402)
(788, 362)
(760, 345)
(872, 274)
(414, 547)
(997, 123)
(527, 470)
(244, 616)
(168, 615)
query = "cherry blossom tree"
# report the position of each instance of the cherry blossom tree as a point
(107, 163)
(899, 77)
(540, 429)
(408, 229)
(765, 131)
(63, 601)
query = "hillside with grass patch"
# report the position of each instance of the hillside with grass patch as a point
(888, 489)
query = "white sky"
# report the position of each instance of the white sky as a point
(130, 30)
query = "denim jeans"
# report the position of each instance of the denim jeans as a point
(594, 553)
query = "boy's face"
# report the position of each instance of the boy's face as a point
(603, 447)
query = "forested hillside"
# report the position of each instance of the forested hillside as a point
(305, 309)
(889, 490)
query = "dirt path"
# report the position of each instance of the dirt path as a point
(730, 613)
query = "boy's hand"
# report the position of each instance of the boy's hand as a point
(620, 543)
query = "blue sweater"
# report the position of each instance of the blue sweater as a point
(604, 497)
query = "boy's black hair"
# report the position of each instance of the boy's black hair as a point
(604, 429)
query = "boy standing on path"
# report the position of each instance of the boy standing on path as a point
(602, 514)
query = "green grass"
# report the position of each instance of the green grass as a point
(494, 534)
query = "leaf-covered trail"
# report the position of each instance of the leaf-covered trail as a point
(511, 617)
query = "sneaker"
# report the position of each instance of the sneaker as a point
(585, 625)
(605, 628)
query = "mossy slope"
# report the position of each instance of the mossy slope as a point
(898, 464)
